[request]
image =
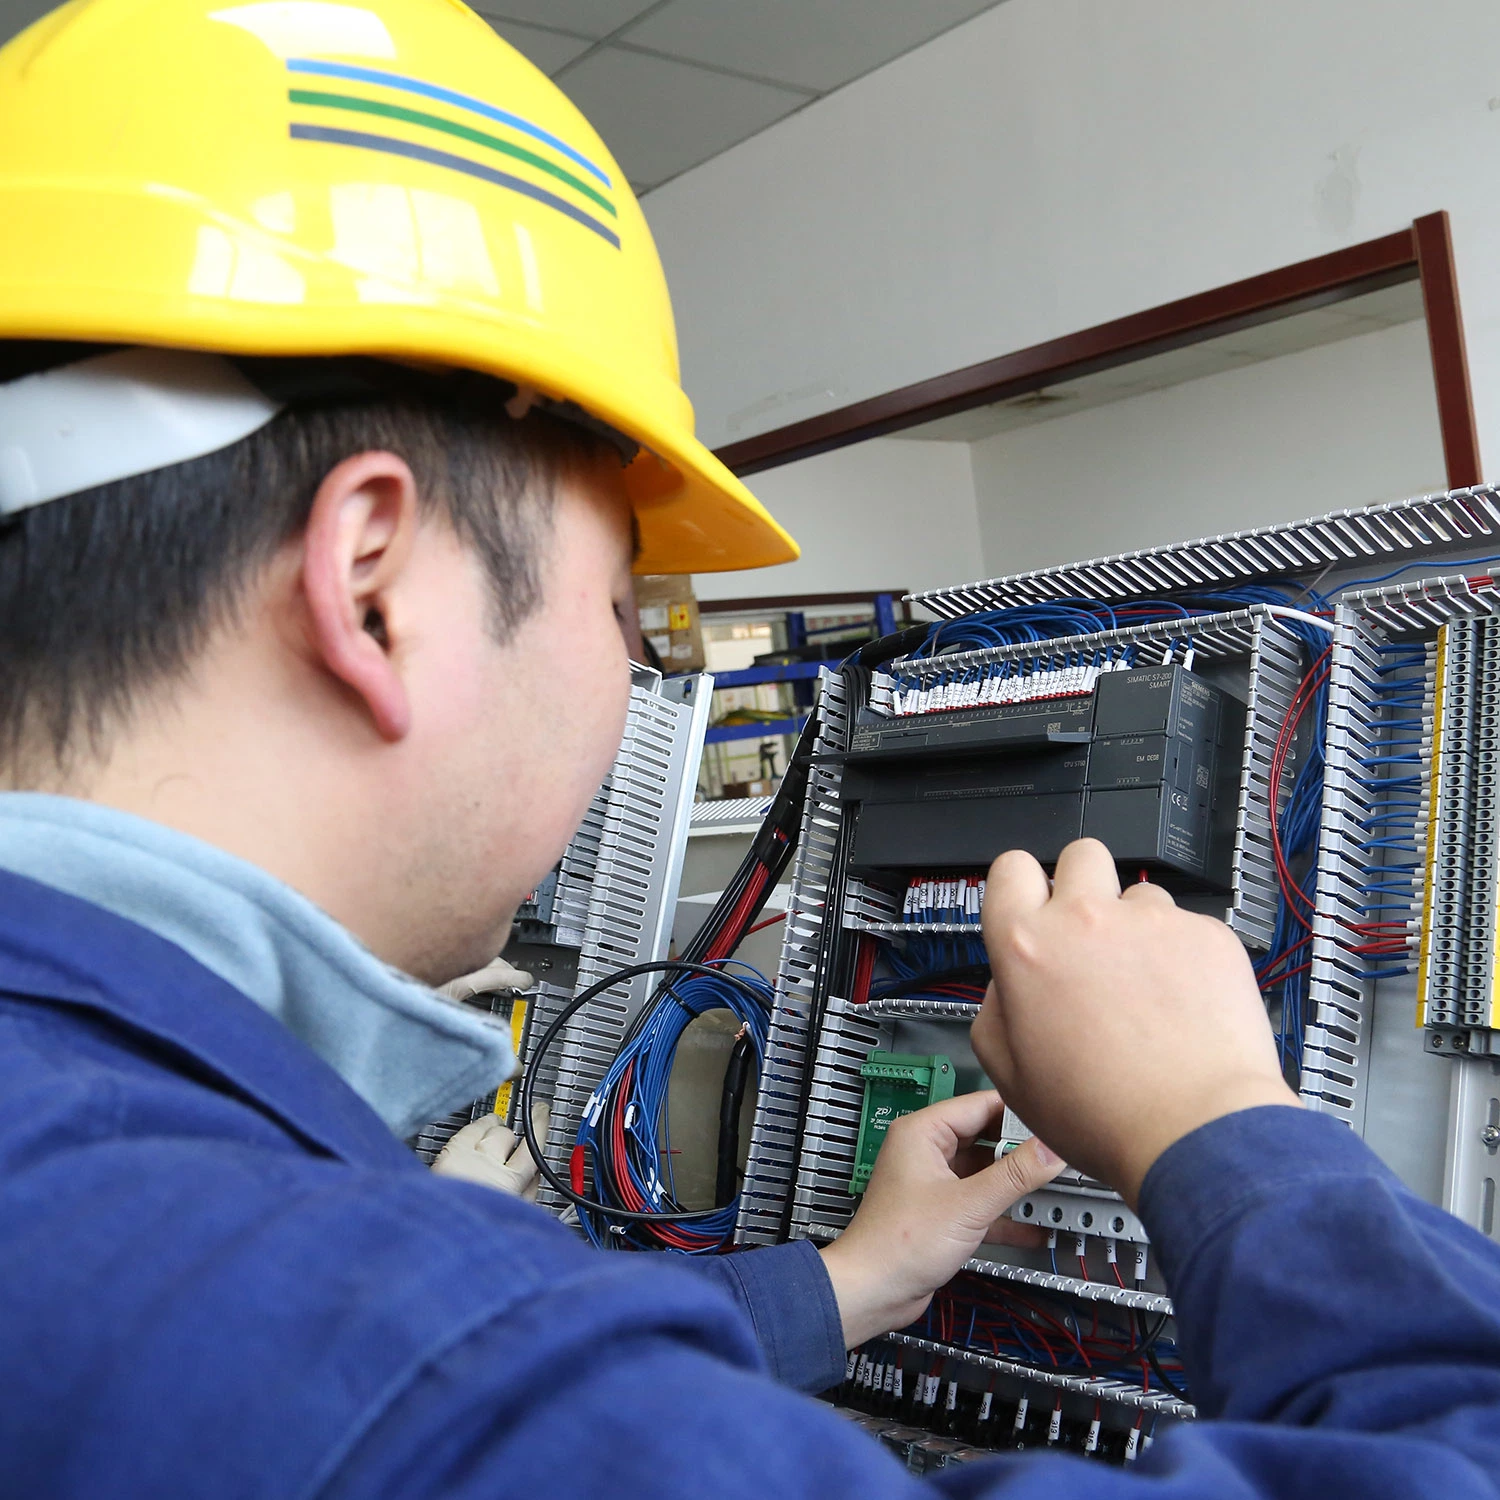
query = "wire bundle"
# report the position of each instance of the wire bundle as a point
(931, 968)
(974, 684)
(1393, 780)
(617, 1141)
(624, 1138)
(1395, 790)
(1294, 837)
(1023, 623)
(988, 1317)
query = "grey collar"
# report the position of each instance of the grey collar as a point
(409, 1052)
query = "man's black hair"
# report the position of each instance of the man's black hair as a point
(111, 592)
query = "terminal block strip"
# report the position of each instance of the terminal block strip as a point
(1046, 1281)
(1440, 984)
(1229, 634)
(1458, 988)
(1099, 1388)
(1471, 1171)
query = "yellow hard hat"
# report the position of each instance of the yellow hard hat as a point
(388, 178)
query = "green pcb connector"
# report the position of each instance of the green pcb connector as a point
(896, 1084)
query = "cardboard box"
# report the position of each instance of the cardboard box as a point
(748, 789)
(669, 620)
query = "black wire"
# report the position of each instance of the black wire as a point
(534, 1065)
(830, 936)
(770, 851)
(1148, 1348)
(767, 851)
(731, 1098)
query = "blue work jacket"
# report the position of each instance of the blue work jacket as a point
(221, 1275)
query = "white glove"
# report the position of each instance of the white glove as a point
(487, 1151)
(494, 976)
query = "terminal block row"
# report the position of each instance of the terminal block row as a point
(1457, 972)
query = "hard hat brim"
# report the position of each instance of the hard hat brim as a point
(694, 515)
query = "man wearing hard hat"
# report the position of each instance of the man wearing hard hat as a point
(338, 399)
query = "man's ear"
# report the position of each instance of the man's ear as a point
(359, 539)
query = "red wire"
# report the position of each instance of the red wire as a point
(864, 968)
(1305, 694)
(1289, 974)
(634, 1203)
(728, 939)
(1060, 1326)
(769, 922)
(1282, 957)
(669, 1234)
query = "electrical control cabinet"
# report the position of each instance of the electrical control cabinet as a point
(1313, 758)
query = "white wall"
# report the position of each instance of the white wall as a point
(884, 514)
(1056, 163)
(1343, 424)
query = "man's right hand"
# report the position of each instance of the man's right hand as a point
(1116, 1024)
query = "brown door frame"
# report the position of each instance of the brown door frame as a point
(1422, 253)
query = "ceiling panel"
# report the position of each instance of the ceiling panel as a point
(549, 50)
(17, 15)
(660, 117)
(594, 18)
(1394, 305)
(815, 44)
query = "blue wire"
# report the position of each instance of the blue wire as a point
(651, 1051)
(1421, 562)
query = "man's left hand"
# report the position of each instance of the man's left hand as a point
(495, 977)
(488, 1151)
(933, 1199)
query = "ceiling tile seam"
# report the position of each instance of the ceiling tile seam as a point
(604, 41)
(817, 98)
(707, 67)
(796, 109)
(572, 36)
(649, 187)
(624, 45)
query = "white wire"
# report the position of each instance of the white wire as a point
(1283, 612)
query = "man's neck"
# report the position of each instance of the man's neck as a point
(239, 765)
